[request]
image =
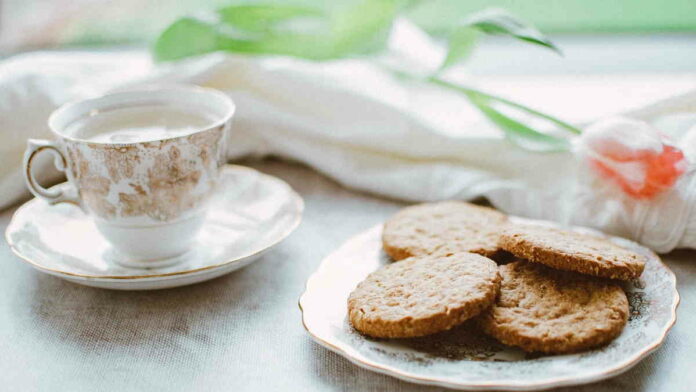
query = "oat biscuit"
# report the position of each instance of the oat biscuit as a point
(423, 295)
(572, 251)
(551, 311)
(442, 228)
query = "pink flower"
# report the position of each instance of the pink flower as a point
(634, 155)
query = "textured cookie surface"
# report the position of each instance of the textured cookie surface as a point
(423, 295)
(572, 251)
(551, 311)
(441, 229)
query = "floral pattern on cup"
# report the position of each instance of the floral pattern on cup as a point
(160, 180)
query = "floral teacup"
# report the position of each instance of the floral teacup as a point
(147, 196)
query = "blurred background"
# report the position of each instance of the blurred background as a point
(39, 24)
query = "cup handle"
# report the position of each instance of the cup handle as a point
(52, 196)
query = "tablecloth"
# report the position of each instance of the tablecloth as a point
(241, 332)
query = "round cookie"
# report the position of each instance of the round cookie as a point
(441, 229)
(541, 309)
(572, 251)
(423, 295)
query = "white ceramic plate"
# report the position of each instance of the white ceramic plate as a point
(250, 213)
(465, 359)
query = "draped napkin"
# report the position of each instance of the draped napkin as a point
(357, 123)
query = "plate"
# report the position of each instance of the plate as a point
(465, 359)
(250, 213)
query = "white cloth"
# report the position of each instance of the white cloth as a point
(356, 123)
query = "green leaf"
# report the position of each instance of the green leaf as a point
(460, 45)
(519, 133)
(363, 26)
(282, 30)
(535, 113)
(515, 131)
(264, 18)
(491, 21)
(186, 37)
(558, 122)
(244, 29)
(498, 21)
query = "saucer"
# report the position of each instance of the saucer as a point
(250, 213)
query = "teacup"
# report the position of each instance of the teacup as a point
(143, 165)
